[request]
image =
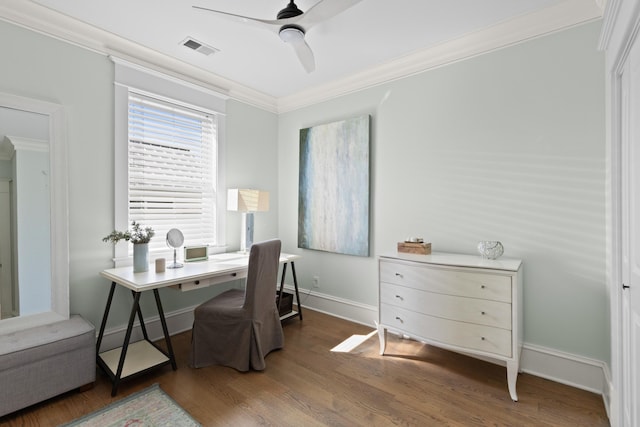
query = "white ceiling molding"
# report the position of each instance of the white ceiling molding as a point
(171, 67)
(51, 23)
(555, 18)
(220, 93)
(611, 12)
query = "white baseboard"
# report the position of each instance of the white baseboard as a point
(337, 307)
(177, 321)
(609, 397)
(576, 371)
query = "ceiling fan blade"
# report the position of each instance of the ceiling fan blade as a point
(305, 55)
(323, 10)
(273, 24)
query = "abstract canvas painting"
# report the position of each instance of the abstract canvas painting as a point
(333, 191)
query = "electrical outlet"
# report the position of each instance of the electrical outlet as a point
(316, 281)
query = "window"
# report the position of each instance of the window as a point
(172, 169)
(169, 139)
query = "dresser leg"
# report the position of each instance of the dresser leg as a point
(512, 377)
(382, 336)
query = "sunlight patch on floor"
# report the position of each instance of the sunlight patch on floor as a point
(352, 342)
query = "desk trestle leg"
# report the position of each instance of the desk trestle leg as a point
(295, 284)
(167, 337)
(146, 355)
(125, 346)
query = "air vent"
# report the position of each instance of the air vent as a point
(198, 46)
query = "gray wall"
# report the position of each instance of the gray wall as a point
(506, 146)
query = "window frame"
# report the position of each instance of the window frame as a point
(132, 77)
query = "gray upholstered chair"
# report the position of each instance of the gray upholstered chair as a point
(239, 328)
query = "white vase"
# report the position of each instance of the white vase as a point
(140, 257)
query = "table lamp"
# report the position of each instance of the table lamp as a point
(247, 201)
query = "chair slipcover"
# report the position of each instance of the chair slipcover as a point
(239, 328)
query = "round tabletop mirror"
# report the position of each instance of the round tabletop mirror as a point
(175, 239)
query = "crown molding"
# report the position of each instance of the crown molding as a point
(38, 18)
(566, 14)
(611, 10)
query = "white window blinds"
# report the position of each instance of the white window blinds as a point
(172, 169)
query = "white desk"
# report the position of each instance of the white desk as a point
(144, 355)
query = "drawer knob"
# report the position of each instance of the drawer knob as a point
(399, 297)
(234, 274)
(482, 286)
(399, 275)
(483, 313)
(482, 338)
(197, 282)
(399, 319)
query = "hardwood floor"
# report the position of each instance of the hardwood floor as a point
(306, 384)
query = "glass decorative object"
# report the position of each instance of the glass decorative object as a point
(490, 249)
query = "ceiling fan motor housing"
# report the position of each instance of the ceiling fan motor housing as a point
(290, 11)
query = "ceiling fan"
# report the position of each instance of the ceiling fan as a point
(292, 24)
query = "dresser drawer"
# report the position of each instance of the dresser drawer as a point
(471, 310)
(449, 332)
(447, 281)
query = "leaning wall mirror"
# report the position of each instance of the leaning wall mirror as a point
(34, 257)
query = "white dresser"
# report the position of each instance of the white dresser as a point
(459, 302)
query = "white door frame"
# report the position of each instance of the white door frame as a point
(621, 25)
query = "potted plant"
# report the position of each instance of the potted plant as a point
(140, 237)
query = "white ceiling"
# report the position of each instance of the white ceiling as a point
(373, 34)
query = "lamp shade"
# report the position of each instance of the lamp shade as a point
(247, 200)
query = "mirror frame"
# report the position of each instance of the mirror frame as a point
(59, 215)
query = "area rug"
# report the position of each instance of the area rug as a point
(150, 407)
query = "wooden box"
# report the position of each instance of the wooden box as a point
(414, 248)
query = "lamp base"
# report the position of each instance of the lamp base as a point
(246, 235)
